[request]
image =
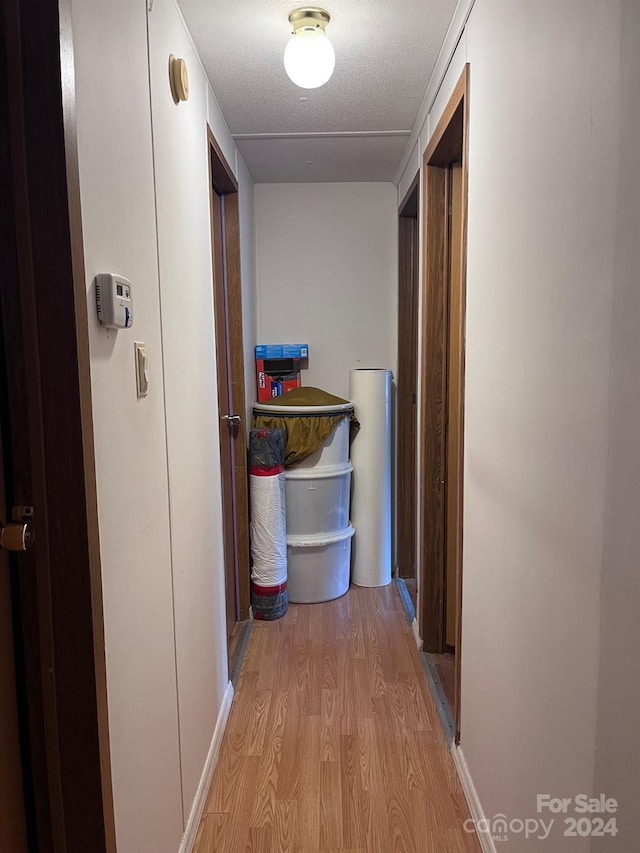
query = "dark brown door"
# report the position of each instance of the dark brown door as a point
(454, 405)
(227, 291)
(434, 396)
(13, 824)
(407, 381)
(229, 420)
(443, 370)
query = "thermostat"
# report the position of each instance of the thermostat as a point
(114, 299)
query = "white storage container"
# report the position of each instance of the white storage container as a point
(319, 566)
(317, 499)
(335, 450)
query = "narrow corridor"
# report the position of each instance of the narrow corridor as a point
(333, 742)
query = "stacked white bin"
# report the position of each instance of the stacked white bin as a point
(317, 493)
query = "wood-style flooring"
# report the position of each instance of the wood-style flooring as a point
(333, 742)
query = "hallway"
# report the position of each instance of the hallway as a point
(333, 741)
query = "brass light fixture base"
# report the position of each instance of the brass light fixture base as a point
(309, 18)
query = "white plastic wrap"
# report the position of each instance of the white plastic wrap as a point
(370, 393)
(268, 530)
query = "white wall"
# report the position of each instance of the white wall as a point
(117, 196)
(411, 170)
(618, 737)
(157, 459)
(327, 275)
(540, 260)
(186, 294)
(542, 205)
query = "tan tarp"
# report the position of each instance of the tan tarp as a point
(305, 433)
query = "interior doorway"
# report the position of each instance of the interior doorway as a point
(442, 412)
(227, 289)
(407, 387)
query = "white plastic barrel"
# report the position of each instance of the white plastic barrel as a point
(335, 450)
(317, 499)
(319, 566)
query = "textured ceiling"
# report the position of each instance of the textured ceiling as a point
(356, 126)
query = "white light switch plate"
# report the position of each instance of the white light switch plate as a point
(142, 369)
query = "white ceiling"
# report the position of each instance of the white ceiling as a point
(356, 126)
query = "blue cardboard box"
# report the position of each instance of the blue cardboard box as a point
(268, 351)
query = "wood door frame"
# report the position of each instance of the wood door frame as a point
(223, 181)
(44, 313)
(407, 429)
(448, 144)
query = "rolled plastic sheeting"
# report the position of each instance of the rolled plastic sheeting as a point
(269, 597)
(268, 532)
(370, 393)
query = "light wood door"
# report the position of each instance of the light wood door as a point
(228, 428)
(13, 825)
(407, 382)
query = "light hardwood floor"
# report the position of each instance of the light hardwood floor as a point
(333, 742)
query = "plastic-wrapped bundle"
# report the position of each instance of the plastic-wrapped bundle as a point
(269, 597)
(266, 450)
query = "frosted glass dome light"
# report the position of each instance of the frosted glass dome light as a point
(309, 57)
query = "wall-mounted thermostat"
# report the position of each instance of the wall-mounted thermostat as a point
(114, 298)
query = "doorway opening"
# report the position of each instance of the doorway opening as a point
(407, 386)
(442, 409)
(227, 290)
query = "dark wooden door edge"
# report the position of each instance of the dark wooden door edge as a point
(434, 323)
(448, 144)
(45, 320)
(463, 309)
(406, 382)
(234, 296)
(224, 182)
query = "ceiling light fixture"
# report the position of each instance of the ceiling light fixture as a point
(309, 58)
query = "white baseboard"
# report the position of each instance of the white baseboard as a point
(189, 837)
(418, 639)
(473, 801)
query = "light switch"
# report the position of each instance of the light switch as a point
(142, 369)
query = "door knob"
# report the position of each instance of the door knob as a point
(232, 420)
(16, 536)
